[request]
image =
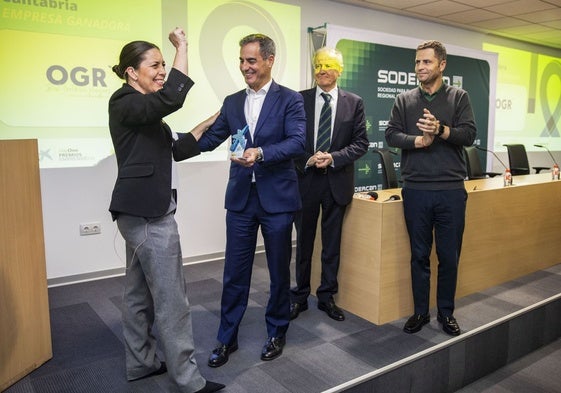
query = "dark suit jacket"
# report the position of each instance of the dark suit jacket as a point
(143, 146)
(280, 132)
(348, 143)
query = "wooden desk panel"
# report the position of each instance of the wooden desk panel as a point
(510, 232)
(24, 308)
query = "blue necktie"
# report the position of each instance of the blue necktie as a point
(324, 128)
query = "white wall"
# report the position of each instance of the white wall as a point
(80, 195)
(77, 195)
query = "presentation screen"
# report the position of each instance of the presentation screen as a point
(380, 66)
(528, 99)
(57, 58)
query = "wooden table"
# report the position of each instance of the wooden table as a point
(510, 232)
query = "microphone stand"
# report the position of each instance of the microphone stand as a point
(555, 171)
(507, 175)
(493, 153)
(551, 155)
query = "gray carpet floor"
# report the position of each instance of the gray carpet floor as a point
(320, 353)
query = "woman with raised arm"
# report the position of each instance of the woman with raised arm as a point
(143, 204)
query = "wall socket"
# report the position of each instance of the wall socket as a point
(90, 228)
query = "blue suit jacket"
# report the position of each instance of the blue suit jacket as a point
(280, 132)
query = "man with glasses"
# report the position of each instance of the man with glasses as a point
(335, 139)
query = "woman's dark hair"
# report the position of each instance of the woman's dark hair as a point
(131, 55)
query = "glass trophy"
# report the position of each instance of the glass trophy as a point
(239, 141)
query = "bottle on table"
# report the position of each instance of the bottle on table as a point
(507, 178)
(555, 172)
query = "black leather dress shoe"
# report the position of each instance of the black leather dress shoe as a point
(416, 323)
(449, 325)
(273, 348)
(332, 310)
(211, 387)
(220, 354)
(296, 309)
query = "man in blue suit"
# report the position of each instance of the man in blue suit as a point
(267, 124)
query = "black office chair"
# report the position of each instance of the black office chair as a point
(389, 177)
(474, 169)
(518, 160)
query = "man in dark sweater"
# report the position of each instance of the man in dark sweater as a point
(431, 124)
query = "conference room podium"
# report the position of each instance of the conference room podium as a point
(510, 232)
(25, 333)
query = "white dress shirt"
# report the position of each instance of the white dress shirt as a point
(253, 105)
(319, 104)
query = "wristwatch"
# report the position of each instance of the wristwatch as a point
(440, 130)
(259, 155)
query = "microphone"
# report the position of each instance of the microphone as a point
(394, 197)
(555, 171)
(494, 155)
(373, 195)
(551, 155)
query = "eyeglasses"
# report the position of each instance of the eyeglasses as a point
(325, 66)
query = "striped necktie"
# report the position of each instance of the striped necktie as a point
(324, 128)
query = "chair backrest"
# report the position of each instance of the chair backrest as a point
(389, 177)
(517, 159)
(474, 169)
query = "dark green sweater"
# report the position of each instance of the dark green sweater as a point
(442, 164)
